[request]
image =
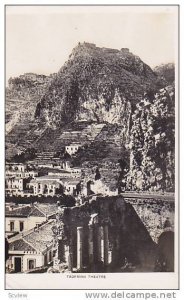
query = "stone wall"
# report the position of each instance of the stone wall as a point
(103, 235)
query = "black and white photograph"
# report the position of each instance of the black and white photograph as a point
(91, 144)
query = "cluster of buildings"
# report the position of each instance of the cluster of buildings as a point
(26, 180)
(52, 180)
(29, 236)
(29, 227)
(33, 245)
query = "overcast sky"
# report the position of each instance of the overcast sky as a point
(40, 39)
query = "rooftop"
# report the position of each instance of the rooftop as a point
(73, 144)
(22, 211)
(52, 170)
(35, 240)
(20, 245)
(47, 177)
(41, 238)
(54, 182)
(70, 181)
(47, 209)
(37, 210)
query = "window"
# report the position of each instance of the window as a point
(21, 224)
(37, 225)
(31, 264)
(45, 259)
(11, 225)
(50, 255)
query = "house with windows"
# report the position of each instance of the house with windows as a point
(47, 185)
(15, 167)
(20, 171)
(31, 249)
(71, 186)
(19, 174)
(75, 172)
(72, 148)
(14, 185)
(25, 217)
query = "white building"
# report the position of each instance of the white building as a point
(19, 171)
(32, 249)
(75, 172)
(15, 167)
(64, 173)
(13, 185)
(72, 148)
(45, 185)
(18, 174)
(71, 186)
(26, 217)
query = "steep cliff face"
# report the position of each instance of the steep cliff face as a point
(166, 72)
(22, 95)
(152, 143)
(97, 84)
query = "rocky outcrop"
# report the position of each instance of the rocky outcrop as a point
(152, 143)
(166, 72)
(95, 84)
(22, 95)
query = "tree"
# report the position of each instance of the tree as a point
(97, 175)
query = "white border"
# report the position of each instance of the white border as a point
(47, 294)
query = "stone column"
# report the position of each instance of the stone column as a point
(106, 244)
(102, 243)
(90, 241)
(70, 260)
(79, 247)
(99, 243)
(68, 257)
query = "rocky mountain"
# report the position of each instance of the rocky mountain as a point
(22, 96)
(97, 84)
(116, 106)
(152, 143)
(166, 72)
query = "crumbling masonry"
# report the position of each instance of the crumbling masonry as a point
(100, 236)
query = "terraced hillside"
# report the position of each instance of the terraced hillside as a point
(110, 102)
(22, 95)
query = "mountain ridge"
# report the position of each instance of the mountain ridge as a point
(93, 74)
(120, 110)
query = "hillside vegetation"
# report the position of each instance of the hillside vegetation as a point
(110, 101)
